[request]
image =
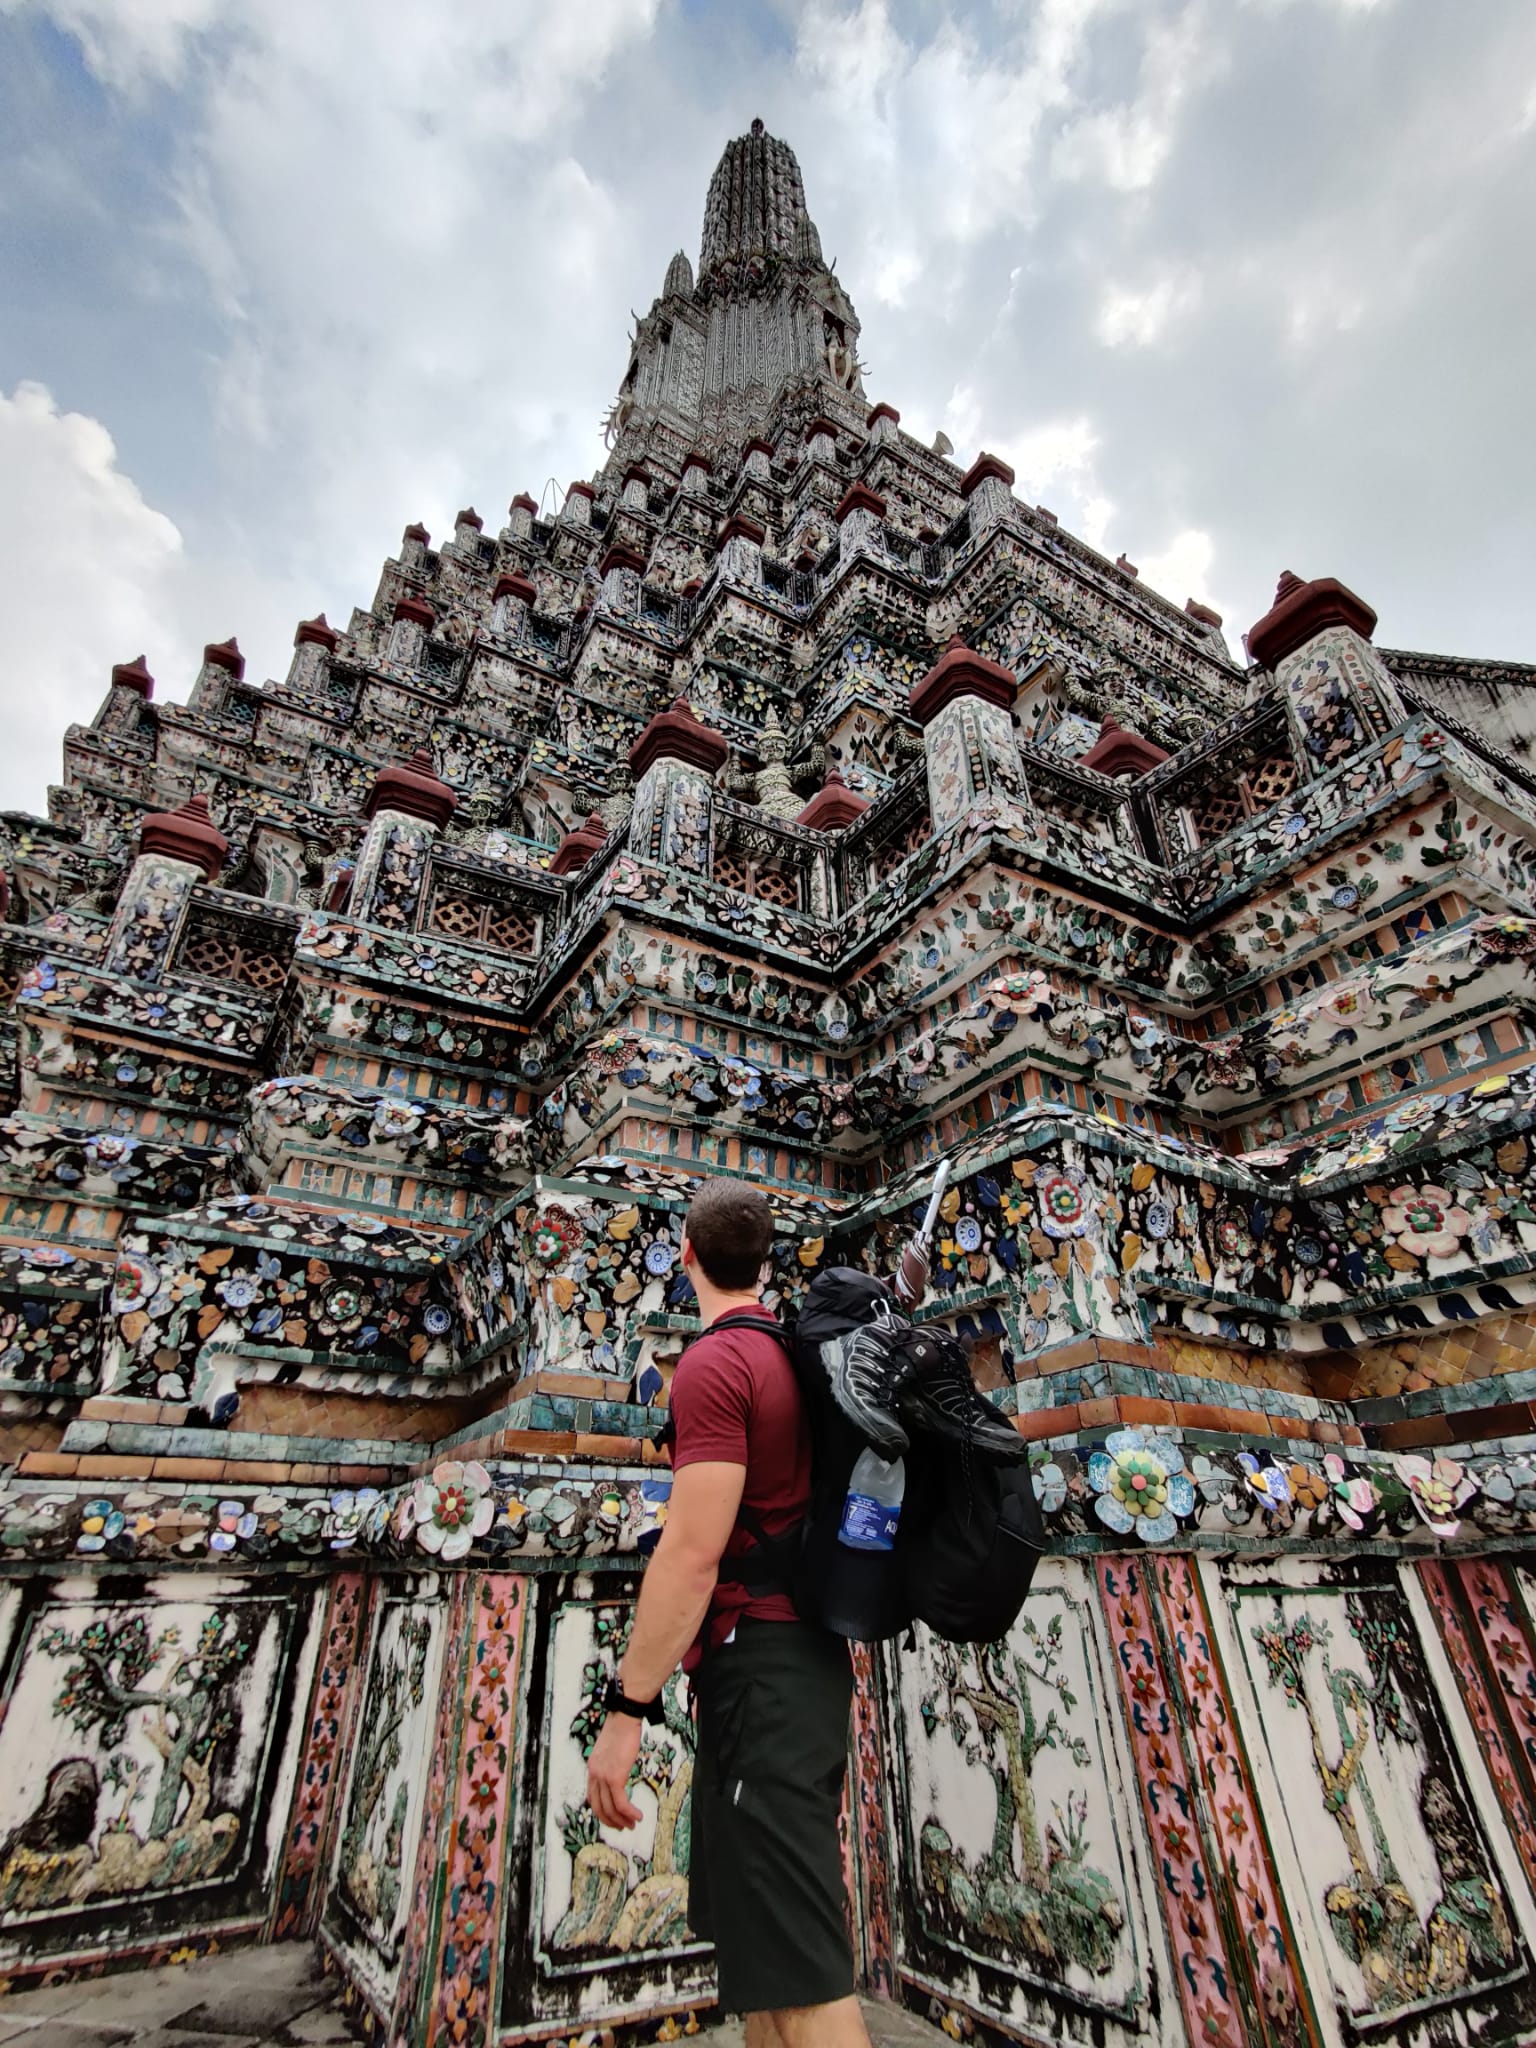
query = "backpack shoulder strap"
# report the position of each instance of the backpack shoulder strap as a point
(744, 1319)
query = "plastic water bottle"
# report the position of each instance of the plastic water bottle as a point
(873, 1504)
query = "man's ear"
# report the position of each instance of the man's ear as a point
(687, 1256)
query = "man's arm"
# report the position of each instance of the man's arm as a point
(674, 1598)
(681, 1575)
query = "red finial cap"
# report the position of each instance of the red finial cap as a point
(983, 467)
(187, 834)
(621, 557)
(860, 498)
(1126, 566)
(883, 412)
(833, 806)
(676, 735)
(523, 503)
(418, 609)
(225, 654)
(417, 532)
(961, 672)
(820, 425)
(414, 787)
(516, 586)
(695, 460)
(1117, 752)
(1202, 613)
(1303, 610)
(469, 517)
(740, 527)
(578, 846)
(757, 446)
(316, 633)
(134, 675)
(580, 490)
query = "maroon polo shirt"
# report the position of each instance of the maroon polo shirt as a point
(735, 1401)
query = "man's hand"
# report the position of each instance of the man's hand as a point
(613, 1758)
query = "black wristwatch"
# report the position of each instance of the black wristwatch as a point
(618, 1701)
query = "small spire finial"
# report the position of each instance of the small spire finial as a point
(757, 125)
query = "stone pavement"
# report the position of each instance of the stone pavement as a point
(250, 1998)
(259, 1998)
(890, 2026)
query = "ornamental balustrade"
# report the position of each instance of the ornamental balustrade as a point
(776, 863)
(218, 944)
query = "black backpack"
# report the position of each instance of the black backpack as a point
(970, 1533)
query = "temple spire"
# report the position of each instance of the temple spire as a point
(765, 322)
(756, 206)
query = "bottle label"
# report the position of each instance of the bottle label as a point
(868, 1524)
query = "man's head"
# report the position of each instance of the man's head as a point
(726, 1235)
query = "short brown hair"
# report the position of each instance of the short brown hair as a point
(730, 1226)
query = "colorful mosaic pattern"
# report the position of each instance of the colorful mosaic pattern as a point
(1481, 1640)
(1275, 2008)
(465, 2002)
(333, 1706)
(1203, 1968)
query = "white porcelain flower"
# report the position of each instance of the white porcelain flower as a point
(453, 1507)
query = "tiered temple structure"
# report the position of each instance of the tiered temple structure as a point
(801, 805)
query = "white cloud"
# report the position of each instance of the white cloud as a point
(1126, 146)
(132, 43)
(1183, 568)
(405, 257)
(1128, 318)
(93, 575)
(1055, 452)
(955, 126)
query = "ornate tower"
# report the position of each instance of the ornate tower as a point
(766, 323)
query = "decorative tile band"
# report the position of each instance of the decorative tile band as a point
(332, 1706)
(871, 1829)
(1486, 1655)
(1278, 2005)
(1202, 1967)
(464, 2008)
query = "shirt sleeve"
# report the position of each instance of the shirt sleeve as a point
(711, 1405)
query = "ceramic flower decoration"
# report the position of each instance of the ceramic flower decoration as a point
(1140, 1485)
(453, 1507)
(1354, 1496)
(1438, 1488)
(1426, 1221)
(1050, 1485)
(1267, 1483)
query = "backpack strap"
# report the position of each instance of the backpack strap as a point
(768, 1566)
(737, 1319)
(744, 1319)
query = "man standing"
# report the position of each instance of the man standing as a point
(765, 1880)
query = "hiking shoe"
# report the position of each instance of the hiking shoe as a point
(940, 1397)
(866, 1368)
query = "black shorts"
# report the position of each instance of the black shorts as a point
(765, 1870)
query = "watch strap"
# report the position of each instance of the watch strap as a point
(618, 1701)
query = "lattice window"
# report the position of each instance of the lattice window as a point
(775, 886)
(228, 952)
(1270, 780)
(761, 878)
(895, 851)
(1266, 780)
(484, 920)
(1216, 813)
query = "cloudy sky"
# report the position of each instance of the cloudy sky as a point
(1237, 285)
